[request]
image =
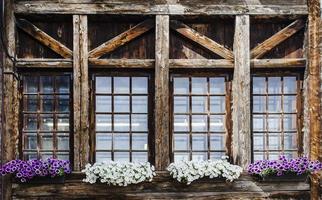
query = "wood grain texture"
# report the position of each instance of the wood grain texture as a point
(44, 38)
(80, 93)
(277, 38)
(241, 145)
(44, 63)
(201, 63)
(161, 114)
(278, 63)
(122, 39)
(122, 63)
(201, 39)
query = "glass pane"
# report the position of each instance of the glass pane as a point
(274, 123)
(139, 104)
(63, 122)
(121, 85)
(139, 141)
(199, 142)
(121, 141)
(181, 142)
(290, 141)
(259, 141)
(290, 85)
(46, 122)
(31, 103)
(103, 156)
(259, 104)
(273, 155)
(274, 104)
(139, 123)
(103, 103)
(122, 122)
(274, 85)
(181, 86)
(63, 103)
(139, 157)
(30, 155)
(199, 104)
(121, 104)
(289, 122)
(62, 84)
(199, 86)
(103, 141)
(259, 123)
(139, 85)
(181, 123)
(259, 85)
(291, 154)
(217, 104)
(47, 103)
(46, 155)
(62, 155)
(258, 156)
(179, 156)
(63, 141)
(103, 123)
(47, 142)
(289, 104)
(30, 141)
(217, 123)
(216, 155)
(46, 84)
(103, 84)
(217, 85)
(217, 142)
(122, 156)
(181, 104)
(199, 156)
(30, 122)
(199, 123)
(273, 141)
(31, 84)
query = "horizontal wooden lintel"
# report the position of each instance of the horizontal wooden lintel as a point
(44, 63)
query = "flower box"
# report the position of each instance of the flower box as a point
(289, 177)
(44, 180)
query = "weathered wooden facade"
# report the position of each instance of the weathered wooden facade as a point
(75, 42)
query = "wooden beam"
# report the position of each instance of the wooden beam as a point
(314, 86)
(81, 94)
(44, 38)
(201, 39)
(201, 63)
(277, 38)
(44, 63)
(241, 93)
(278, 63)
(122, 39)
(10, 112)
(162, 155)
(150, 8)
(121, 63)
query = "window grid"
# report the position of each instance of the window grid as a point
(33, 138)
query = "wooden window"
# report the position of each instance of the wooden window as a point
(276, 112)
(200, 117)
(46, 121)
(123, 117)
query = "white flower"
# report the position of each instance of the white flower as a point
(189, 171)
(121, 174)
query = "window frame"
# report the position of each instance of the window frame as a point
(299, 74)
(150, 94)
(228, 108)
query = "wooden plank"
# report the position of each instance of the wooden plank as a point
(81, 94)
(161, 114)
(278, 63)
(44, 63)
(10, 114)
(150, 8)
(241, 147)
(122, 39)
(201, 63)
(121, 63)
(44, 38)
(277, 38)
(314, 84)
(201, 39)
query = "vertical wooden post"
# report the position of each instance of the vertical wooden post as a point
(314, 84)
(162, 156)
(80, 92)
(241, 93)
(10, 132)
